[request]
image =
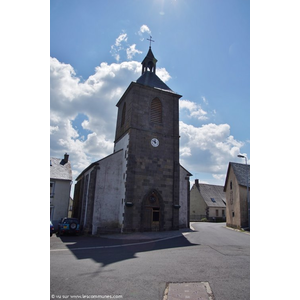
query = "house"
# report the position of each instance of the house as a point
(237, 189)
(207, 201)
(60, 187)
(70, 207)
(141, 186)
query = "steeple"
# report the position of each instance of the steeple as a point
(149, 62)
(148, 77)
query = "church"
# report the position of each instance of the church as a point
(141, 186)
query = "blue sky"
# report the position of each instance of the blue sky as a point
(203, 53)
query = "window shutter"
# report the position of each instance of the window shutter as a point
(156, 111)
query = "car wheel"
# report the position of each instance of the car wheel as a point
(73, 226)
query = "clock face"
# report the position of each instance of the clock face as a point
(154, 142)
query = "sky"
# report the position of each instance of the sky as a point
(203, 53)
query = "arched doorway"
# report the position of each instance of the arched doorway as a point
(152, 212)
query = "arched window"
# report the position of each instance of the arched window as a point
(123, 114)
(156, 111)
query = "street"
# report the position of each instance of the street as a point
(82, 267)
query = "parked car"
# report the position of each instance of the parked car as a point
(69, 226)
(51, 228)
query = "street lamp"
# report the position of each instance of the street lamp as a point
(248, 198)
(243, 156)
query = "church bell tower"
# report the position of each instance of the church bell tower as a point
(148, 132)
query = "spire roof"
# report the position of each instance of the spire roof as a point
(149, 77)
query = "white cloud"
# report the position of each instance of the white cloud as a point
(208, 148)
(121, 38)
(131, 51)
(118, 46)
(194, 109)
(204, 100)
(163, 74)
(143, 29)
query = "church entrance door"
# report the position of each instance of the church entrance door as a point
(152, 209)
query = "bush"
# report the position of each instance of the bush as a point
(203, 220)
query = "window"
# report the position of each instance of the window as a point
(231, 185)
(156, 111)
(52, 189)
(223, 213)
(217, 212)
(213, 200)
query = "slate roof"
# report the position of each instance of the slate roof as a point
(59, 169)
(149, 56)
(213, 195)
(215, 192)
(240, 171)
(152, 80)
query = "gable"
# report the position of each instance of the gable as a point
(241, 172)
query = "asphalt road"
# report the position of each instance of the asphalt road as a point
(93, 268)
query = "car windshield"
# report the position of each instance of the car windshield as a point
(69, 221)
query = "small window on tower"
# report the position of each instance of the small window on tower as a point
(156, 111)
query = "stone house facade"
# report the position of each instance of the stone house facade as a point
(237, 180)
(207, 201)
(60, 188)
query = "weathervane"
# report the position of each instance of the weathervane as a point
(150, 40)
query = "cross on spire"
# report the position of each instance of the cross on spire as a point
(150, 40)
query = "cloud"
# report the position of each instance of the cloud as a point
(194, 109)
(121, 46)
(121, 38)
(163, 74)
(204, 100)
(131, 51)
(208, 148)
(118, 46)
(143, 29)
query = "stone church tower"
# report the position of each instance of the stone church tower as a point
(147, 190)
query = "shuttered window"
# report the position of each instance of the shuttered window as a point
(156, 111)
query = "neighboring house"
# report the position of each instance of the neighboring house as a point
(237, 180)
(207, 201)
(60, 187)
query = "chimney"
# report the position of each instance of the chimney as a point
(66, 158)
(197, 183)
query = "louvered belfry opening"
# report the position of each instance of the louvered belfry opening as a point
(156, 111)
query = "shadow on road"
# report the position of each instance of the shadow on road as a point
(109, 251)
